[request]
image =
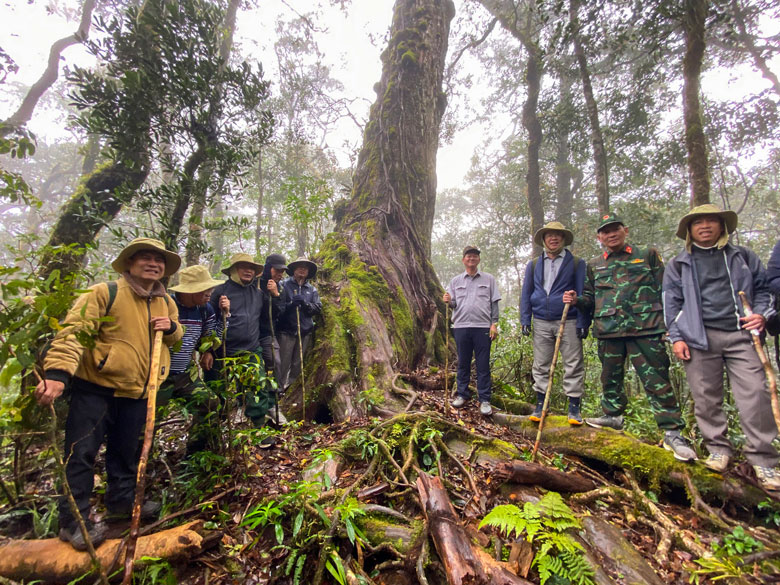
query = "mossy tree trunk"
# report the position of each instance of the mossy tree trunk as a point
(381, 296)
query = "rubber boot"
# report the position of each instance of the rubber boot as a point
(536, 415)
(575, 418)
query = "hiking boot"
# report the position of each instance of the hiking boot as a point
(97, 534)
(485, 409)
(150, 511)
(717, 462)
(459, 401)
(606, 422)
(536, 415)
(768, 477)
(679, 445)
(575, 418)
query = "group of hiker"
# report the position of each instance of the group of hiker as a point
(633, 303)
(104, 350)
(104, 355)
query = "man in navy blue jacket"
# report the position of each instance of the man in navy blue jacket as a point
(546, 279)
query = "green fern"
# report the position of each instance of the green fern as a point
(545, 524)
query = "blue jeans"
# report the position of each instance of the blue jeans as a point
(473, 341)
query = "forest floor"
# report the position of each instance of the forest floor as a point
(255, 497)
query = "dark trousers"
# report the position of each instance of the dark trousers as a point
(95, 417)
(473, 341)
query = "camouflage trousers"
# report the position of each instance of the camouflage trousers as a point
(651, 362)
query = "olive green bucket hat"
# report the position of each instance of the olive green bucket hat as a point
(172, 260)
(195, 279)
(242, 257)
(729, 218)
(553, 226)
(302, 262)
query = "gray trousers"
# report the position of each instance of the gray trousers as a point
(545, 333)
(748, 386)
(290, 357)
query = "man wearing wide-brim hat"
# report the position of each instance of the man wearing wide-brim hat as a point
(199, 320)
(709, 329)
(239, 302)
(623, 291)
(546, 279)
(297, 322)
(109, 380)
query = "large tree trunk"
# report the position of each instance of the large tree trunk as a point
(698, 170)
(596, 139)
(24, 114)
(381, 292)
(95, 204)
(563, 166)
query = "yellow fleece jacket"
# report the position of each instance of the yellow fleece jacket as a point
(121, 356)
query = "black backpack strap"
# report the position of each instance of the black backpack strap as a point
(112, 288)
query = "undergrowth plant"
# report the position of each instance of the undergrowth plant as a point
(545, 525)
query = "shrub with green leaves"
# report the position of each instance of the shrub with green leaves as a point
(545, 525)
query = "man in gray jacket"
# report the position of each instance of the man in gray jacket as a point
(708, 329)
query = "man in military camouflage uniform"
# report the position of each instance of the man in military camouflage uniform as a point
(623, 290)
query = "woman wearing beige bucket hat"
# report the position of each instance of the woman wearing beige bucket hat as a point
(199, 320)
(109, 381)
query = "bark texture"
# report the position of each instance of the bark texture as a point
(380, 300)
(698, 172)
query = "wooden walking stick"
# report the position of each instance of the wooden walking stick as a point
(303, 381)
(770, 373)
(550, 380)
(447, 359)
(151, 406)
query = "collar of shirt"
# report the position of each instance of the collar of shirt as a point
(467, 275)
(627, 249)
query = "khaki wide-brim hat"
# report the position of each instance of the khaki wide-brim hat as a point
(241, 257)
(195, 279)
(172, 260)
(553, 226)
(728, 217)
(302, 262)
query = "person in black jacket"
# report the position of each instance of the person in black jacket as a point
(302, 304)
(773, 270)
(546, 279)
(240, 299)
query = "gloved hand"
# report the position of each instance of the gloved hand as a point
(526, 330)
(297, 301)
(582, 333)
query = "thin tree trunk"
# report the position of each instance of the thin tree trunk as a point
(596, 138)
(563, 174)
(218, 243)
(747, 40)
(195, 243)
(25, 112)
(533, 78)
(259, 213)
(698, 169)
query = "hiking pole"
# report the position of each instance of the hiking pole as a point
(447, 359)
(300, 349)
(151, 407)
(770, 373)
(550, 380)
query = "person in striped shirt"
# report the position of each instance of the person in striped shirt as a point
(199, 320)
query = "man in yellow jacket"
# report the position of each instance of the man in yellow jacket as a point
(109, 380)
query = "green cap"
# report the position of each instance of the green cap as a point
(608, 219)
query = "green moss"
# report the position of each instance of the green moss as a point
(379, 529)
(409, 58)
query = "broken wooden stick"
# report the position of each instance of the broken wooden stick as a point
(465, 563)
(523, 472)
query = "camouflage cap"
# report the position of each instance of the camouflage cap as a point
(608, 219)
(471, 250)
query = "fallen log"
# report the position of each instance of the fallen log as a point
(524, 472)
(52, 560)
(620, 450)
(464, 562)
